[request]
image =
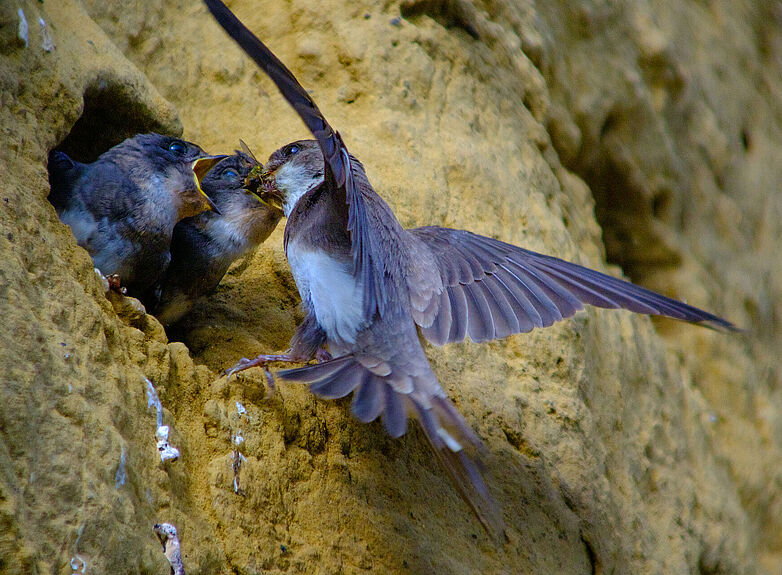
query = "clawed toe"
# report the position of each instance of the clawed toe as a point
(260, 361)
(241, 365)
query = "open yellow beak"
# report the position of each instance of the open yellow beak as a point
(201, 168)
(269, 200)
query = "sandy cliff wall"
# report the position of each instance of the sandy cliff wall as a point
(647, 133)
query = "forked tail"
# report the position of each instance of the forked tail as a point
(397, 397)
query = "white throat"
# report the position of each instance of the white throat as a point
(293, 181)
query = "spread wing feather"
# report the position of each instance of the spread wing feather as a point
(491, 289)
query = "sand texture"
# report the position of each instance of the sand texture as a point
(644, 134)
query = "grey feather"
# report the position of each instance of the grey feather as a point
(480, 323)
(394, 414)
(437, 332)
(340, 383)
(540, 290)
(505, 320)
(465, 472)
(369, 399)
(458, 314)
(314, 373)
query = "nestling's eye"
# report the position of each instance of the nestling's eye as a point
(292, 149)
(177, 147)
(229, 173)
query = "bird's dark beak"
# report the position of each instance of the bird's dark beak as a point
(201, 168)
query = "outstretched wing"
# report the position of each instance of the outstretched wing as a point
(340, 167)
(491, 290)
(291, 90)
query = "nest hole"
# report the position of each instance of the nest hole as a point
(112, 113)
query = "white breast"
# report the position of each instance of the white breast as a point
(81, 222)
(295, 181)
(228, 233)
(108, 249)
(333, 294)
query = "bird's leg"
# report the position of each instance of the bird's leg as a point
(309, 340)
(307, 343)
(262, 361)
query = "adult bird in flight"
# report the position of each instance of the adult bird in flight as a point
(368, 285)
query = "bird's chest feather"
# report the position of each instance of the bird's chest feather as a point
(328, 287)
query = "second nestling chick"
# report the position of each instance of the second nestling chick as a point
(203, 247)
(122, 208)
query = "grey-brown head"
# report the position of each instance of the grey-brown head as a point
(243, 214)
(291, 172)
(167, 163)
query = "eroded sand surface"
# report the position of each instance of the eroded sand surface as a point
(616, 445)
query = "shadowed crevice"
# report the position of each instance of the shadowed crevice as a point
(112, 113)
(448, 13)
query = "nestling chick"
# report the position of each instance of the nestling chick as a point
(204, 246)
(122, 208)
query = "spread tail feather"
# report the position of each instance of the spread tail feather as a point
(456, 446)
(453, 441)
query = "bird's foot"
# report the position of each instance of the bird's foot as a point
(263, 361)
(260, 361)
(114, 284)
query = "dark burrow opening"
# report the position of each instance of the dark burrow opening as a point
(633, 224)
(638, 216)
(450, 14)
(112, 113)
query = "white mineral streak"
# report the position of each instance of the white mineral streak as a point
(47, 44)
(168, 537)
(78, 564)
(101, 278)
(122, 474)
(167, 451)
(24, 29)
(154, 401)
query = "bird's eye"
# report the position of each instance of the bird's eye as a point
(177, 147)
(293, 149)
(229, 173)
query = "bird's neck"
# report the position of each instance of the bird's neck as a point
(320, 220)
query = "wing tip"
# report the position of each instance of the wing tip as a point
(717, 324)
